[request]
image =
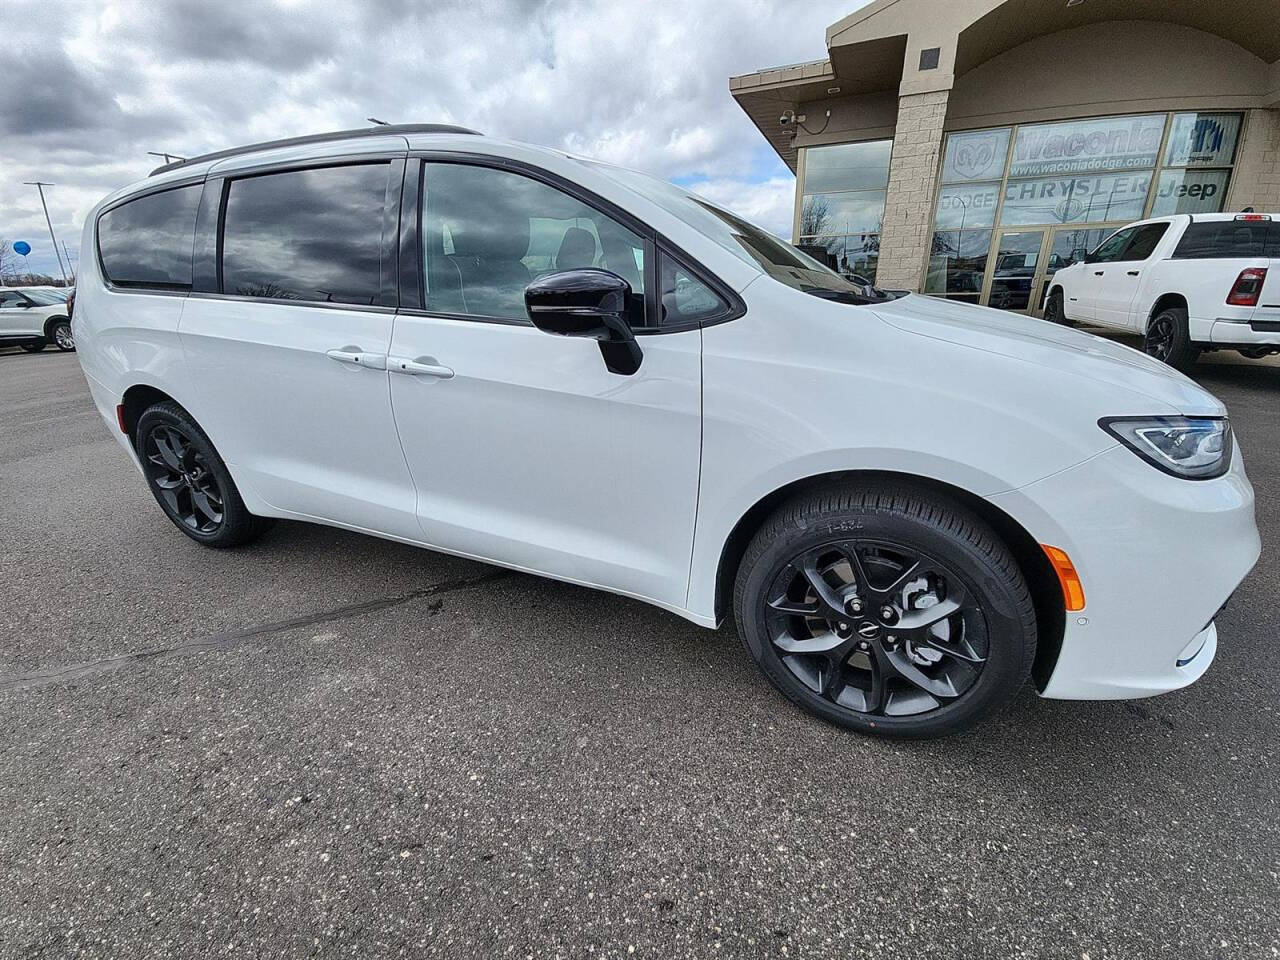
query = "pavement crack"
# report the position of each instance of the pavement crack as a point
(230, 638)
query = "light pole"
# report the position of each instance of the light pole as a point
(40, 185)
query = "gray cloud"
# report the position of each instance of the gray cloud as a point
(101, 82)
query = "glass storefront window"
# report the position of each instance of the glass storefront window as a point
(975, 155)
(958, 263)
(1202, 140)
(842, 210)
(1080, 146)
(847, 166)
(1190, 191)
(840, 213)
(1072, 246)
(967, 205)
(1092, 199)
(855, 258)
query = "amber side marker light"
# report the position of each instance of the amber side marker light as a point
(1072, 588)
(125, 430)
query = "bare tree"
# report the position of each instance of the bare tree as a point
(815, 214)
(8, 260)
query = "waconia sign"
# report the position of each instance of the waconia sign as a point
(1078, 146)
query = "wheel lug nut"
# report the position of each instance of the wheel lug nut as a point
(855, 605)
(864, 645)
(886, 612)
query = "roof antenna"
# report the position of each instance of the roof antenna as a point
(377, 122)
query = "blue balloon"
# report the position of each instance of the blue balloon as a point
(22, 248)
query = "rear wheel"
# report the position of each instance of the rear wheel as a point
(887, 610)
(1168, 339)
(60, 334)
(1054, 310)
(190, 481)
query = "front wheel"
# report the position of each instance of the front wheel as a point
(35, 346)
(190, 481)
(1168, 339)
(61, 335)
(1055, 310)
(889, 610)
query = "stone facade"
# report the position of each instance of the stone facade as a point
(913, 172)
(1256, 181)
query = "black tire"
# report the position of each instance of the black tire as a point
(1168, 339)
(1055, 310)
(975, 570)
(60, 335)
(190, 481)
(35, 346)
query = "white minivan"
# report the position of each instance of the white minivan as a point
(505, 352)
(1188, 283)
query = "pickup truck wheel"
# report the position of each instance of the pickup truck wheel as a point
(1055, 312)
(1169, 340)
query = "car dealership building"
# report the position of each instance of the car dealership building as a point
(970, 148)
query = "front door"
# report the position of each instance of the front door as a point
(524, 448)
(290, 356)
(1121, 278)
(17, 314)
(1013, 270)
(1067, 246)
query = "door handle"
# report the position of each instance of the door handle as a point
(421, 367)
(1133, 273)
(357, 357)
(1098, 273)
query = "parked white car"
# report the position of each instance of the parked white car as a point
(563, 367)
(1187, 283)
(34, 317)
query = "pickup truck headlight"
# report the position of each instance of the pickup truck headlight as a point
(1194, 448)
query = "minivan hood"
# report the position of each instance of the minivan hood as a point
(1020, 337)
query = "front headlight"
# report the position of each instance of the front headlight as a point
(1194, 448)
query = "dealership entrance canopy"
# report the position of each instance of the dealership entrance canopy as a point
(971, 148)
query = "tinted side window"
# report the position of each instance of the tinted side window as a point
(1111, 248)
(11, 299)
(147, 242)
(1223, 238)
(311, 234)
(685, 298)
(1144, 241)
(487, 233)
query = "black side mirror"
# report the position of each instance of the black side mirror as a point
(587, 303)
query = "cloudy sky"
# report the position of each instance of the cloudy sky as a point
(90, 87)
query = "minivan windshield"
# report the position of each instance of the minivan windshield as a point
(761, 249)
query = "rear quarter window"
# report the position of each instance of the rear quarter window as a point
(147, 242)
(1225, 239)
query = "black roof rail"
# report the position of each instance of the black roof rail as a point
(354, 134)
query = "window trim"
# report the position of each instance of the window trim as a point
(387, 280)
(653, 242)
(164, 290)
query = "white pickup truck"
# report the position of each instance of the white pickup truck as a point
(1187, 283)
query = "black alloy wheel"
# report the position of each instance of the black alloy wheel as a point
(877, 627)
(62, 336)
(1159, 340)
(190, 481)
(1055, 311)
(1168, 339)
(183, 479)
(889, 609)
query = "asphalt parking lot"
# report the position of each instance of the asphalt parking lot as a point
(330, 745)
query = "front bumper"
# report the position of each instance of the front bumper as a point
(1158, 557)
